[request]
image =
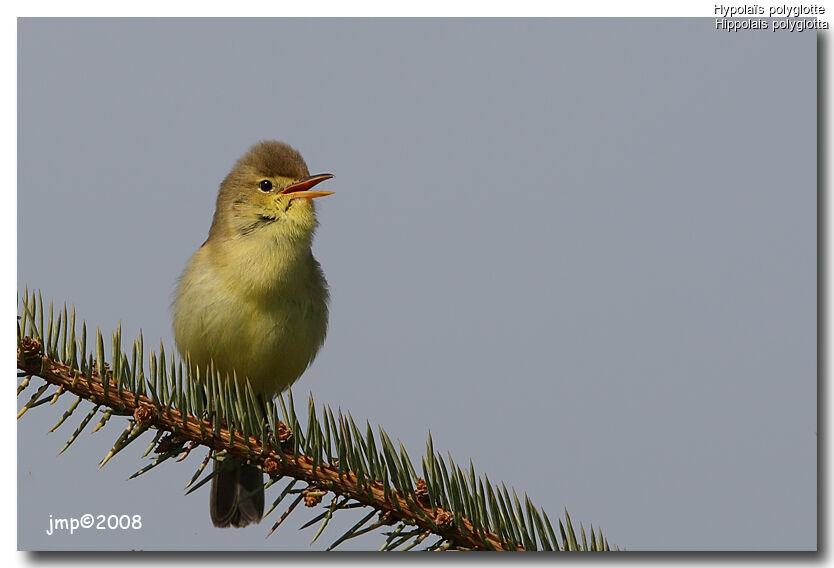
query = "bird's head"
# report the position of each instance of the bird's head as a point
(268, 192)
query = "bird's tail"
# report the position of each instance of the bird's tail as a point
(237, 494)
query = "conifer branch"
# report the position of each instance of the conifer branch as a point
(332, 455)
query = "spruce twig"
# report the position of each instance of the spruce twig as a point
(464, 511)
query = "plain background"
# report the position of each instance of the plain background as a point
(581, 252)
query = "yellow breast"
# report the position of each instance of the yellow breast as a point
(255, 308)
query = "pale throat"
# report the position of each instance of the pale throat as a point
(264, 263)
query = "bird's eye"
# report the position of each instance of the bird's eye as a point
(265, 185)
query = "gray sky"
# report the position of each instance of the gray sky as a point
(581, 251)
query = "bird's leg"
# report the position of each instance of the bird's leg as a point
(269, 434)
(284, 433)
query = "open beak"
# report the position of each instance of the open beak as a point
(302, 188)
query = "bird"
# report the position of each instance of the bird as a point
(253, 301)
